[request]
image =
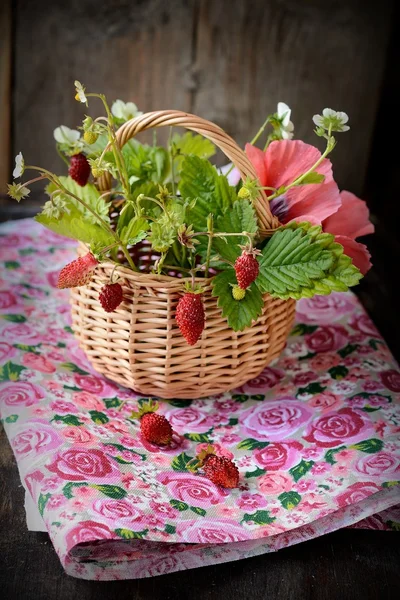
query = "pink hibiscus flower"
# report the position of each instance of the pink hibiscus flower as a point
(340, 213)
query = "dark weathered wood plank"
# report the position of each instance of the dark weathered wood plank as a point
(250, 55)
(5, 93)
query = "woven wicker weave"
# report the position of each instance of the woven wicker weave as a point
(140, 346)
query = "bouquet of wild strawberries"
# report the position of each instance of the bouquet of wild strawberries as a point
(195, 221)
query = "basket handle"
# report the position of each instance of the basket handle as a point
(163, 118)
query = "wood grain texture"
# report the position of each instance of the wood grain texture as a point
(346, 565)
(5, 93)
(229, 61)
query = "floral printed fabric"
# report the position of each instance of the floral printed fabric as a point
(316, 436)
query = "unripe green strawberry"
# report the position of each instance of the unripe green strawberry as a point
(238, 293)
(90, 137)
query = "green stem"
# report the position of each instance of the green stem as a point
(260, 131)
(209, 245)
(103, 223)
(61, 155)
(328, 149)
(171, 157)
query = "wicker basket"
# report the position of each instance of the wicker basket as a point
(140, 346)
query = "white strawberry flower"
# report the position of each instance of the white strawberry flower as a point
(332, 119)
(80, 92)
(125, 110)
(65, 135)
(19, 166)
(286, 127)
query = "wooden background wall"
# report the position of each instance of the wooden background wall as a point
(229, 61)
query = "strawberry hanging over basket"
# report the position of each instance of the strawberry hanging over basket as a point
(187, 275)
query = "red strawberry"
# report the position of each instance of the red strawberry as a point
(78, 272)
(79, 169)
(190, 316)
(111, 296)
(246, 268)
(156, 428)
(221, 471)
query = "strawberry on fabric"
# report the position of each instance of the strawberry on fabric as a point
(78, 272)
(247, 268)
(79, 169)
(218, 469)
(111, 296)
(155, 428)
(190, 316)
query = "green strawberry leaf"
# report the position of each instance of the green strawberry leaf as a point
(369, 446)
(181, 506)
(239, 314)
(127, 534)
(112, 491)
(89, 194)
(212, 192)
(10, 371)
(251, 444)
(298, 471)
(135, 231)
(289, 499)
(42, 501)
(180, 461)
(260, 517)
(189, 143)
(241, 217)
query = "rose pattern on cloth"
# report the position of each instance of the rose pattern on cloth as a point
(316, 436)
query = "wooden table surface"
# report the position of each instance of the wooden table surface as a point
(349, 564)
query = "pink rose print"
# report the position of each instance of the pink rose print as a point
(278, 456)
(38, 363)
(20, 393)
(381, 466)
(344, 426)
(211, 531)
(304, 378)
(177, 445)
(192, 489)
(164, 510)
(56, 501)
(265, 381)
(88, 401)
(189, 420)
(52, 278)
(21, 334)
(251, 502)
(325, 401)
(363, 324)
(391, 380)
(6, 352)
(81, 464)
(7, 300)
(88, 531)
(34, 438)
(273, 484)
(276, 420)
(357, 492)
(323, 362)
(77, 435)
(62, 407)
(326, 338)
(95, 385)
(323, 310)
(117, 513)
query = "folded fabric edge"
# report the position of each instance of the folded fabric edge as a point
(176, 557)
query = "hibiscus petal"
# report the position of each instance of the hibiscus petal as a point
(352, 218)
(256, 157)
(358, 252)
(312, 202)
